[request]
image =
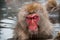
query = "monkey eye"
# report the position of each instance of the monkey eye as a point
(35, 17)
(28, 18)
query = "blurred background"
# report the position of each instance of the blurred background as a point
(8, 12)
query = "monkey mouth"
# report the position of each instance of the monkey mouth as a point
(33, 29)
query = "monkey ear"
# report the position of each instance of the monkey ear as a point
(50, 5)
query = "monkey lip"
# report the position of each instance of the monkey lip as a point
(32, 28)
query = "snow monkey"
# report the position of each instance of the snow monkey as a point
(33, 23)
(51, 5)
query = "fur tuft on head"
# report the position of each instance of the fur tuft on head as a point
(33, 7)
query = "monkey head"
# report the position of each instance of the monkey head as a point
(33, 18)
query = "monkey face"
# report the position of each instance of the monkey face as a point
(32, 20)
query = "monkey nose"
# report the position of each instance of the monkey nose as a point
(32, 21)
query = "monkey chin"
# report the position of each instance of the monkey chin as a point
(35, 32)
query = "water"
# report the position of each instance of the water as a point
(6, 33)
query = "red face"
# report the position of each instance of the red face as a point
(32, 20)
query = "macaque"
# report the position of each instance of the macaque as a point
(51, 5)
(58, 36)
(53, 9)
(33, 23)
